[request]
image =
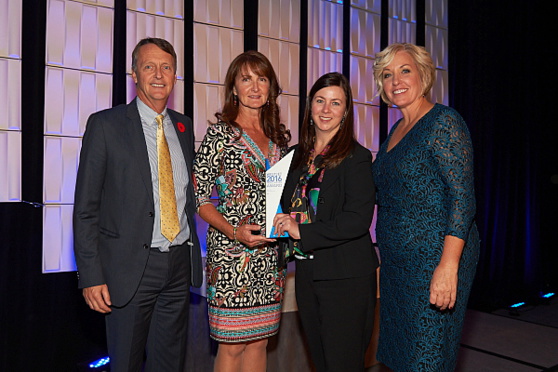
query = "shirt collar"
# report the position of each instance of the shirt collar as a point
(147, 113)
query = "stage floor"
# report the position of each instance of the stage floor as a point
(501, 342)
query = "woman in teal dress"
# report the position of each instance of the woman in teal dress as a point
(428, 241)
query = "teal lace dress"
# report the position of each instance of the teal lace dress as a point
(424, 192)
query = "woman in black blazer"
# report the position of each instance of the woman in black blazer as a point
(329, 202)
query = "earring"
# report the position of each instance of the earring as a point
(235, 100)
(342, 121)
(311, 122)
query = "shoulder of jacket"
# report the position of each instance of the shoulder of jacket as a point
(360, 151)
(178, 115)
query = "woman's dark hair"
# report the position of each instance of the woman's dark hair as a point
(343, 142)
(270, 113)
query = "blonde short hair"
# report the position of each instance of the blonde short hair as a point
(423, 60)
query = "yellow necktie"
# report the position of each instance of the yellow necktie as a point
(167, 199)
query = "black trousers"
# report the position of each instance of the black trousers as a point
(337, 317)
(155, 321)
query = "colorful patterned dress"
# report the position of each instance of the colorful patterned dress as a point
(424, 192)
(244, 286)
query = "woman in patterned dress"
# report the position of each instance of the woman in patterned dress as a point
(427, 237)
(244, 277)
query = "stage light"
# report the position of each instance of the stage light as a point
(546, 298)
(99, 363)
(515, 308)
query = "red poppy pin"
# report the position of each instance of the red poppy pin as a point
(181, 127)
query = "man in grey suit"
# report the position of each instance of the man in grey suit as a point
(130, 268)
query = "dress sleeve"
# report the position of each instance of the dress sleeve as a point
(453, 153)
(207, 164)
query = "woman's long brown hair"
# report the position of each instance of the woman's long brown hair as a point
(342, 144)
(270, 112)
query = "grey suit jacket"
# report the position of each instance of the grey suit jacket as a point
(114, 209)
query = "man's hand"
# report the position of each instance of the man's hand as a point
(98, 298)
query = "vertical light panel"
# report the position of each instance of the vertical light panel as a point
(325, 38)
(436, 28)
(78, 82)
(402, 29)
(10, 100)
(365, 31)
(214, 47)
(10, 166)
(157, 19)
(218, 39)
(365, 43)
(279, 41)
(367, 126)
(402, 21)
(223, 13)
(167, 8)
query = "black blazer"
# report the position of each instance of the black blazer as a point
(340, 236)
(114, 209)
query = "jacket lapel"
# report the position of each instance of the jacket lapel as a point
(330, 176)
(139, 148)
(180, 129)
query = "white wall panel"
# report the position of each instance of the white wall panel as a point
(78, 82)
(367, 126)
(404, 10)
(402, 32)
(209, 100)
(321, 62)
(226, 13)
(10, 100)
(10, 166)
(214, 49)
(79, 36)
(440, 90)
(71, 96)
(284, 58)
(371, 5)
(10, 28)
(362, 80)
(280, 19)
(167, 8)
(60, 165)
(105, 3)
(325, 25)
(58, 252)
(141, 25)
(289, 114)
(10, 94)
(437, 13)
(437, 45)
(365, 32)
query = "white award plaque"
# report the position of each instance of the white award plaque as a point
(275, 178)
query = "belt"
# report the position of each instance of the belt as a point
(187, 242)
